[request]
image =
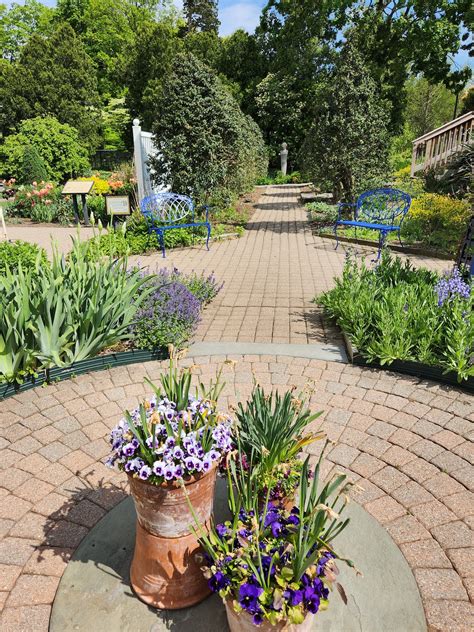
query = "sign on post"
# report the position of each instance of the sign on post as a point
(79, 188)
(117, 204)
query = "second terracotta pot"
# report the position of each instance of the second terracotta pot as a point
(242, 622)
(165, 571)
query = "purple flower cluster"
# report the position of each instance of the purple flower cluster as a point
(271, 555)
(180, 446)
(450, 286)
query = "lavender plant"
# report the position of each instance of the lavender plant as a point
(173, 435)
(172, 311)
(397, 312)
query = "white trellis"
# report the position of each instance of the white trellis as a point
(143, 150)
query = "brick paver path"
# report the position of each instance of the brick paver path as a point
(270, 275)
(408, 443)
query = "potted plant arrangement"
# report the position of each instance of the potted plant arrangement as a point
(170, 448)
(271, 437)
(274, 567)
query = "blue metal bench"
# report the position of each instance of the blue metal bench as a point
(164, 211)
(380, 209)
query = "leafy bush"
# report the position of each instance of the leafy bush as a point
(456, 178)
(101, 186)
(437, 221)
(57, 315)
(397, 312)
(16, 253)
(322, 213)
(291, 178)
(57, 144)
(29, 196)
(205, 143)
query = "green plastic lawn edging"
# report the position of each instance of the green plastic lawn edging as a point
(98, 363)
(407, 367)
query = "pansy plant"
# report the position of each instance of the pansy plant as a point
(277, 564)
(172, 435)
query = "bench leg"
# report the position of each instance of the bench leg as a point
(400, 238)
(161, 240)
(382, 238)
(208, 235)
(337, 237)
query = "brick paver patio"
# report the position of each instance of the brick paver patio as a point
(407, 443)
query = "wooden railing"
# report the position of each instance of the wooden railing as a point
(434, 148)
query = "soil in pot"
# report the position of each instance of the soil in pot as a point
(166, 566)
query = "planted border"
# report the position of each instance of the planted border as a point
(407, 367)
(98, 363)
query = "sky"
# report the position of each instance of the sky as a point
(246, 14)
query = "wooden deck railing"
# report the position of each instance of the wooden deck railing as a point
(434, 148)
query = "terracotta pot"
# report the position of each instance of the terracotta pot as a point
(242, 622)
(165, 571)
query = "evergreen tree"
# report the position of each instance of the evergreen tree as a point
(33, 168)
(205, 145)
(53, 76)
(347, 146)
(201, 15)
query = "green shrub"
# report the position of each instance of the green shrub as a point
(15, 253)
(397, 312)
(205, 143)
(56, 143)
(437, 221)
(322, 213)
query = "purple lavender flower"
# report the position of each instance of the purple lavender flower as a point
(221, 530)
(294, 597)
(178, 453)
(178, 471)
(189, 463)
(257, 618)
(450, 286)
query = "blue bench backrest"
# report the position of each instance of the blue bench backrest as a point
(167, 208)
(382, 206)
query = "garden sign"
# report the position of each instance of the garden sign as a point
(76, 188)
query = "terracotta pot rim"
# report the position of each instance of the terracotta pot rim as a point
(175, 484)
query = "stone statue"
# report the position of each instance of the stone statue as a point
(284, 158)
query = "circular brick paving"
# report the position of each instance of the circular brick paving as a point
(407, 443)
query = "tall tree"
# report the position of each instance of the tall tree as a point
(347, 146)
(53, 76)
(396, 37)
(19, 22)
(201, 15)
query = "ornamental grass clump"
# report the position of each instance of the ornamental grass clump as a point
(174, 434)
(272, 433)
(274, 564)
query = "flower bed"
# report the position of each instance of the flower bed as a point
(58, 314)
(395, 312)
